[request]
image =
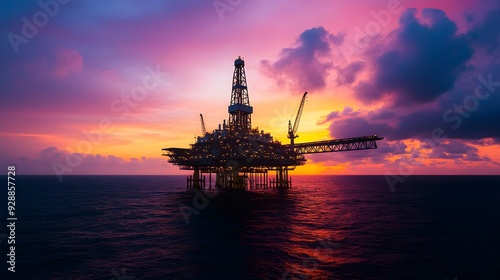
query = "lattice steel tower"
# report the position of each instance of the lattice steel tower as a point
(240, 111)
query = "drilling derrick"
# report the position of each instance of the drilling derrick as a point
(241, 157)
(240, 111)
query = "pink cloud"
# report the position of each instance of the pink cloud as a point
(304, 67)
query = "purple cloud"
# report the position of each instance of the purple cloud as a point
(347, 75)
(486, 34)
(422, 60)
(429, 83)
(304, 67)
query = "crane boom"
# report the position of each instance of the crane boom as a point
(203, 129)
(292, 131)
(299, 113)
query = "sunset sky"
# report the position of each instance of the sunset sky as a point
(100, 87)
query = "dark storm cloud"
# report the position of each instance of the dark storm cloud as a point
(486, 34)
(471, 112)
(426, 57)
(303, 67)
(422, 60)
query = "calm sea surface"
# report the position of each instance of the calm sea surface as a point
(325, 227)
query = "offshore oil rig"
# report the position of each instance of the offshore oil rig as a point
(241, 157)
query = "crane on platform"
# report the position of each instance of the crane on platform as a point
(292, 131)
(203, 129)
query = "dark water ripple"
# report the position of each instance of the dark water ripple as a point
(326, 227)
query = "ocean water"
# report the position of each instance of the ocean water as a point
(325, 227)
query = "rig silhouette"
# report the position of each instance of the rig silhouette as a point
(241, 157)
